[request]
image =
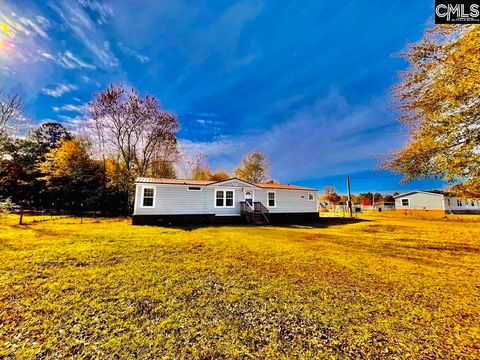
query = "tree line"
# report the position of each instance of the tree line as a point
(331, 196)
(93, 167)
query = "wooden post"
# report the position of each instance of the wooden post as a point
(349, 197)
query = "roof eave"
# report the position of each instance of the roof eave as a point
(417, 191)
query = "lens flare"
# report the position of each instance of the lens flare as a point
(4, 28)
(7, 45)
(23, 38)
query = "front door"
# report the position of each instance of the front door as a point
(248, 197)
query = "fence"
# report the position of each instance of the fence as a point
(342, 209)
(24, 217)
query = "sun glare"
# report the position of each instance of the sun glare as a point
(20, 38)
(4, 28)
(6, 35)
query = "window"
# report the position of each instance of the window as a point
(473, 204)
(219, 198)
(311, 197)
(224, 198)
(459, 202)
(405, 202)
(229, 198)
(148, 197)
(271, 199)
(194, 188)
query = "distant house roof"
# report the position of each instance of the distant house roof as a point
(149, 180)
(430, 192)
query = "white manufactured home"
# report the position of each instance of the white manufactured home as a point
(435, 201)
(174, 201)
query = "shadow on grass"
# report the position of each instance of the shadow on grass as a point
(321, 223)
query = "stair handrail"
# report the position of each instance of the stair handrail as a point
(263, 210)
(245, 207)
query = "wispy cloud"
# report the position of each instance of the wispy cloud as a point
(40, 28)
(70, 61)
(76, 123)
(59, 89)
(75, 17)
(222, 37)
(71, 108)
(67, 60)
(131, 52)
(257, 76)
(327, 137)
(212, 126)
(23, 25)
(208, 115)
(103, 10)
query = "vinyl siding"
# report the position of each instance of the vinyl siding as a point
(466, 204)
(421, 201)
(288, 201)
(172, 199)
(177, 200)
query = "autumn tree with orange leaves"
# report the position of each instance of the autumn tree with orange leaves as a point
(72, 177)
(439, 102)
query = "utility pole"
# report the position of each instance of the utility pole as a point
(349, 197)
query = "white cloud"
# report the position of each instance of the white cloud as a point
(222, 146)
(78, 20)
(208, 115)
(43, 21)
(47, 55)
(71, 108)
(213, 124)
(327, 138)
(104, 11)
(74, 123)
(70, 61)
(67, 60)
(142, 58)
(40, 29)
(59, 90)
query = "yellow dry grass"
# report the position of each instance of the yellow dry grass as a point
(389, 287)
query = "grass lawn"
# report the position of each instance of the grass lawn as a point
(389, 287)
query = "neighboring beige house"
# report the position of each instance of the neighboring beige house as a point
(435, 201)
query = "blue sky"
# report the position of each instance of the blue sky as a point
(305, 82)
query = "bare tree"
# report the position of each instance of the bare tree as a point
(10, 113)
(134, 128)
(193, 167)
(157, 142)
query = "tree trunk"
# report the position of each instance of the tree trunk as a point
(127, 193)
(104, 185)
